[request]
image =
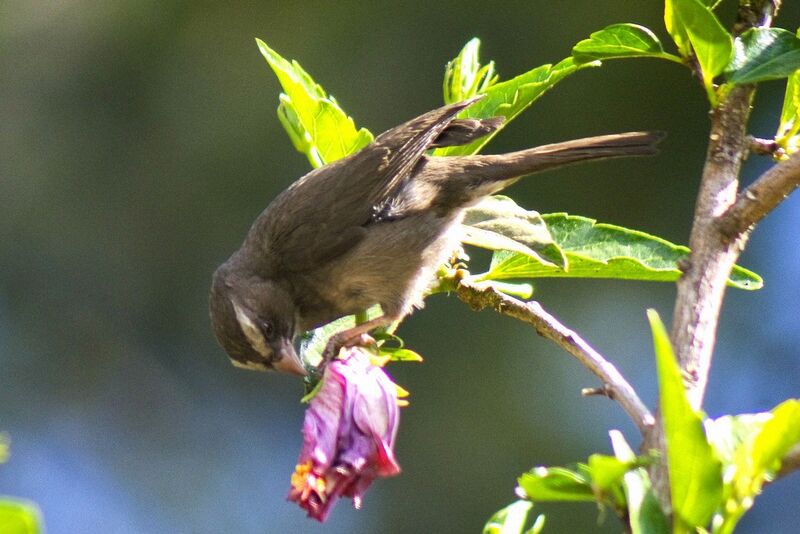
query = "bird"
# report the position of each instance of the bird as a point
(370, 228)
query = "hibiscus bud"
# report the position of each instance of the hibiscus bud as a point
(348, 435)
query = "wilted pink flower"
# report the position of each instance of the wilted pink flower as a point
(348, 435)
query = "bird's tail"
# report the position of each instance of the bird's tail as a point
(516, 164)
(487, 174)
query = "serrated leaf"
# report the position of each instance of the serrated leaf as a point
(316, 125)
(464, 76)
(764, 54)
(19, 517)
(695, 471)
(509, 520)
(693, 26)
(499, 223)
(645, 515)
(619, 41)
(556, 484)
(509, 98)
(598, 250)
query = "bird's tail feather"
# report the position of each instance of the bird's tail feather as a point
(523, 162)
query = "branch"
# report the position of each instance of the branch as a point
(614, 386)
(702, 286)
(790, 463)
(761, 197)
(765, 147)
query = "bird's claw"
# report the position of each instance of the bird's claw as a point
(337, 342)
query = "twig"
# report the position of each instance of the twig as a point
(790, 463)
(479, 296)
(765, 147)
(761, 197)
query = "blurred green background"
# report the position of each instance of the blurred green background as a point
(138, 141)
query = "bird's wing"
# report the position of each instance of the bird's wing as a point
(328, 211)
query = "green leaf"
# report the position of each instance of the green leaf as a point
(556, 484)
(400, 354)
(510, 520)
(3, 447)
(764, 54)
(606, 471)
(729, 433)
(597, 250)
(465, 77)
(789, 125)
(751, 447)
(693, 26)
(314, 342)
(19, 517)
(645, 515)
(695, 471)
(538, 525)
(499, 223)
(778, 435)
(316, 125)
(619, 41)
(509, 98)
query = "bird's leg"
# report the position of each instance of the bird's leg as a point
(353, 336)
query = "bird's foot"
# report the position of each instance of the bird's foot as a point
(341, 340)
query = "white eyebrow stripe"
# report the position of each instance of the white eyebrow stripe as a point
(251, 366)
(251, 331)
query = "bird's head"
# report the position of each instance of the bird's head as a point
(254, 321)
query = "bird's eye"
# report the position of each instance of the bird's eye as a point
(268, 329)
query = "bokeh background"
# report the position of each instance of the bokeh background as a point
(138, 140)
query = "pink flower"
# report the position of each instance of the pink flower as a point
(348, 435)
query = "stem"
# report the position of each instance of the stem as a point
(479, 296)
(702, 286)
(761, 197)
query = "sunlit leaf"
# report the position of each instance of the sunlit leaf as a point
(499, 223)
(695, 471)
(751, 447)
(694, 27)
(400, 354)
(19, 517)
(789, 125)
(317, 126)
(645, 515)
(728, 434)
(619, 41)
(778, 435)
(464, 76)
(3, 447)
(556, 484)
(597, 250)
(509, 98)
(764, 54)
(607, 471)
(509, 520)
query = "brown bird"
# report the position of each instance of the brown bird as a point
(369, 229)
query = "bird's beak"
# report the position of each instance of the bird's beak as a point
(290, 361)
